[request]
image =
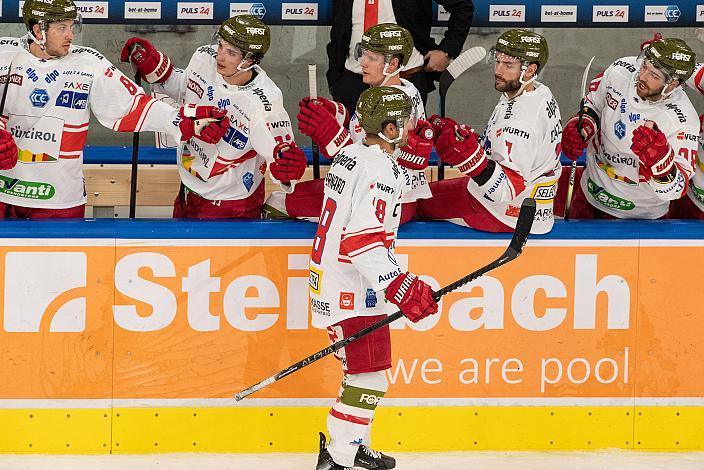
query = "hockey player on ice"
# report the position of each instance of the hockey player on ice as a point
(640, 131)
(52, 87)
(517, 156)
(692, 206)
(353, 273)
(225, 179)
(383, 52)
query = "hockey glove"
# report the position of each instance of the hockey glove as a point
(206, 123)
(656, 156)
(574, 143)
(416, 153)
(152, 65)
(459, 146)
(412, 296)
(439, 124)
(337, 109)
(8, 151)
(289, 162)
(315, 121)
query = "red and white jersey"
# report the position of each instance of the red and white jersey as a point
(415, 182)
(611, 181)
(352, 259)
(523, 136)
(696, 184)
(47, 110)
(234, 167)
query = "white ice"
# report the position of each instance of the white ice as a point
(607, 460)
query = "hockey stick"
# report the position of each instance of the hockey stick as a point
(573, 167)
(135, 150)
(313, 92)
(456, 68)
(515, 247)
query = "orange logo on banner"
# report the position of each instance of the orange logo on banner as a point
(132, 321)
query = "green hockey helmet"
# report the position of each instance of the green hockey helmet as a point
(527, 46)
(389, 39)
(671, 56)
(43, 12)
(247, 33)
(377, 106)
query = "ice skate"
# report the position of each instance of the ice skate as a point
(325, 461)
(373, 459)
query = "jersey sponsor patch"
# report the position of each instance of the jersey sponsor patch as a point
(39, 97)
(544, 193)
(611, 101)
(26, 189)
(620, 129)
(235, 138)
(72, 99)
(248, 180)
(346, 301)
(314, 279)
(195, 88)
(608, 199)
(370, 299)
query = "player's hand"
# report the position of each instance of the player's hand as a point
(315, 121)
(459, 147)
(436, 60)
(440, 123)
(153, 66)
(8, 151)
(289, 162)
(574, 143)
(652, 148)
(337, 109)
(206, 123)
(416, 153)
(412, 296)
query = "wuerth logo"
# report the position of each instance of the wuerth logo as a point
(45, 289)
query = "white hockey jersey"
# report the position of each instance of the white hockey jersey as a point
(234, 167)
(695, 191)
(611, 181)
(47, 111)
(523, 136)
(415, 182)
(352, 259)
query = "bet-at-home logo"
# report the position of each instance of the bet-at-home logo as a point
(45, 289)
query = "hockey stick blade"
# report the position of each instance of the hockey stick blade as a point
(515, 248)
(459, 66)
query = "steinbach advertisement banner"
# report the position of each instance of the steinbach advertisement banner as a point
(104, 340)
(552, 13)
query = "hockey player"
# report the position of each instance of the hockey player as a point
(692, 206)
(52, 87)
(225, 180)
(353, 264)
(383, 52)
(640, 132)
(518, 155)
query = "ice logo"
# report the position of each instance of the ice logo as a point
(672, 13)
(248, 180)
(45, 285)
(39, 97)
(620, 129)
(258, 10)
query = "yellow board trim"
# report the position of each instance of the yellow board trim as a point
(396, 429)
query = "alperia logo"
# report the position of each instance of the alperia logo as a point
(26, 189)
(607, 199)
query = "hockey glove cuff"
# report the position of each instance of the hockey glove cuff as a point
(153, 66)
(416, 153)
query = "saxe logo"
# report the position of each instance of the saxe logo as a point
(45, 290)
(92, 9)
(194, 11)
(610, 14)
(507, 13)
(255, 9)
(299, 11)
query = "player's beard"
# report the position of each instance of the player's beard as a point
(647, 92)
(506, 86)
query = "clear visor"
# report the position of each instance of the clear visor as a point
(63, 26)
(653, 69)
(493, 57)
(370, 56)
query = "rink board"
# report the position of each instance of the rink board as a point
(132, 336)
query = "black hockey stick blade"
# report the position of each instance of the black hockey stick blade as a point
(459, 66)
(515, 248)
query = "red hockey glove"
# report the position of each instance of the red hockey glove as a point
(656, 156)
(152, 65)
(573, 144)
(337, 109)
(8, 151)
(413, 297)
(315, 121)
(459, 146)
(289, 162)
(206, 123)
(416, 153)
(439, 124)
